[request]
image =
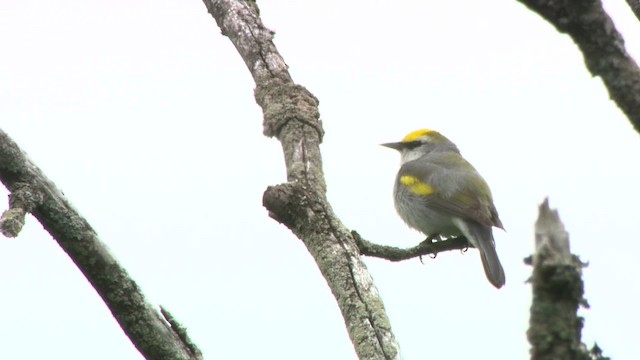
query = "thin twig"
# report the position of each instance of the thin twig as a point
(397, 254)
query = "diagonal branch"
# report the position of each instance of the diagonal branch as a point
(635, 7)
(32, 192)
(602, 47)
(291, 115)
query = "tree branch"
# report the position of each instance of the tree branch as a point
(554, 326)
(635, 7)
(396, 254)
(602, 47)
(32, 192)
(291, 115)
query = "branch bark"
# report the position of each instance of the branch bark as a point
(31, 192)
(554, 326)
(396, 254)
(602, 46)
(635, 7)
(291, 115)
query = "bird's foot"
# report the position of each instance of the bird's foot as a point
(431, 239)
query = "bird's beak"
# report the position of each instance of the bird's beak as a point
(396, 145)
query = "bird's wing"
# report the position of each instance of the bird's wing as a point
(455, 187)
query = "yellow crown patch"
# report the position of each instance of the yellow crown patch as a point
(416, 134)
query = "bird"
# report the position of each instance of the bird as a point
(440, 194)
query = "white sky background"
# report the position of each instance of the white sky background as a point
(143, 114)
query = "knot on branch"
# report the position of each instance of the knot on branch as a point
(282, 102)
(287, 204)
(12, 221)
(22, 200)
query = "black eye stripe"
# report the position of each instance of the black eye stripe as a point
(412, 144)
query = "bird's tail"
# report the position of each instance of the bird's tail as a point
(481, 236)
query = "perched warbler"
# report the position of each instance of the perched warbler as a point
(440, 194)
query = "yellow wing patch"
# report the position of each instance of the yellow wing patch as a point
(415, 185)
(416, 134)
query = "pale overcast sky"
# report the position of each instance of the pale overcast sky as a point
(143, 114)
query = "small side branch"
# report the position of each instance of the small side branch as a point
(397, 254)
(22, 200)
